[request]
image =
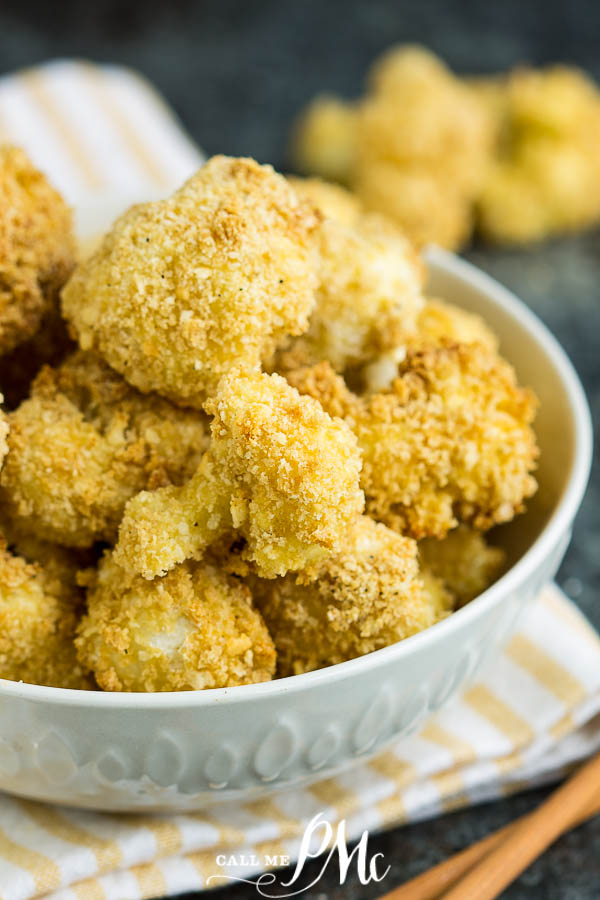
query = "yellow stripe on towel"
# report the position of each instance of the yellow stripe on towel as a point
(42, 869)
(36, 85)
(489, 706)
(547, 671)
(108, 853)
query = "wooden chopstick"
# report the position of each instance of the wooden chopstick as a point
(431, 884)
(530, 837)
(441, 878)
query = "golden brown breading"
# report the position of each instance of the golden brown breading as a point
(546, 179)
(194, 628)
(438, 321)
(39, 610)
(439, 598)
(84, 443)
(279, 470)
(334, 201)
(367, 596)
(450, 441)
(368, 299)
(184, 289)
(324, 139)
(464, 562)
(37, 248)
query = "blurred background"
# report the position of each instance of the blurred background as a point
(237, 73)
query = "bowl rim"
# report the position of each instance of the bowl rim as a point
(558, 525)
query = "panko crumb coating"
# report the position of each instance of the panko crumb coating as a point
(333, 200)
(279, 471)
(324, 139)
(183, 290)
(368, 298)
(441, 321)
(367, 596)
(195, 628)
(546, 178)
(37, 247)
(438, 322)
(84, 443)
(450, 441)
(463, 561)
(40, 607)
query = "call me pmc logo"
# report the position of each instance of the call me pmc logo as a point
(321, 837)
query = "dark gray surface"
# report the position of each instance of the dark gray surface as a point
(237, 72)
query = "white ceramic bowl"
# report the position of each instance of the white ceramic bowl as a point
(181, 751)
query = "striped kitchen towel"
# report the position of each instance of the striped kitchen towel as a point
(102, 134)
(106, 140)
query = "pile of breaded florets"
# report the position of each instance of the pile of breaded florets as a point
(514, 156)
(258, 449)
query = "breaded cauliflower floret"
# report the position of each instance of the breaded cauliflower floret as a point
(37, 248)
(40, 606)
(546, 179)
(334, 201)
(416, 147)
(279, 471)
(84, 443)
(449, 442)
(438, 321)
(368, 299)
(367, 596)
(324, 139)
(420, 202)
(463, 561)
(195, 628)
(423, 146)
(184, 289)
